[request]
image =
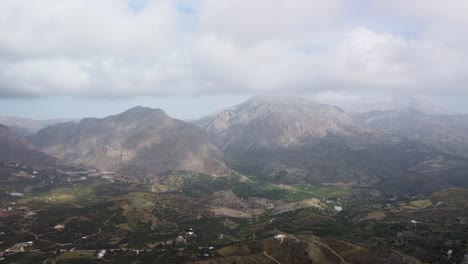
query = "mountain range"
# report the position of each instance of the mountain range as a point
(279, 139)
(26, 126)
(448, 133)
(291, 139)
(140, 140)
(14, 148)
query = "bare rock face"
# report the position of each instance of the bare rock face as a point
(139, 139)
(17, 149)
(279, 121)
(292, 139)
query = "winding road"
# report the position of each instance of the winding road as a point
(270, 257)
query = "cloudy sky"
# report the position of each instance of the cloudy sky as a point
(74, 58)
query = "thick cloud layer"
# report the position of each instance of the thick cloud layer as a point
(330, 49)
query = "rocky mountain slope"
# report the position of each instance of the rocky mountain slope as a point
(280, 122)
(447, 133)
(280, 139)
(14, 148)
(291, 139)
(142, 140)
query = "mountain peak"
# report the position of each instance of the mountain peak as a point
(143, 110)
(140, 137)
(277, 99)
(137, 113)
(278, 121)
(288, 102)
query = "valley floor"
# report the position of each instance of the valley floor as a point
(195, 218)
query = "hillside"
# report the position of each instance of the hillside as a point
(292, 139)
(14, 148)
(142, 140)
(447, 133)
(25, 126)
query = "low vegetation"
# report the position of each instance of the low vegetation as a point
(200, 219)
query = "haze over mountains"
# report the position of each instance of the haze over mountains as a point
(17, 149)
(281, 139)
(398, 102)
(26, 126)
(448, 133)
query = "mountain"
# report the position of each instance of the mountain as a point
(25, 127)
(279, 121)
(291, 139)
(424, 105)
(142, 140)
(17, 149)
(447, 133)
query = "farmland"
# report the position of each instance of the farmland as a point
(201, 219)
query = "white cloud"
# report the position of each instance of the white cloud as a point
(248, 22)
(106, 48)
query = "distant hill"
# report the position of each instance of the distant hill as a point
(25, 127)
(14, 148)
(140, 140)
(279, 139)
(426, 105)
(447, 133)
(292, 139)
